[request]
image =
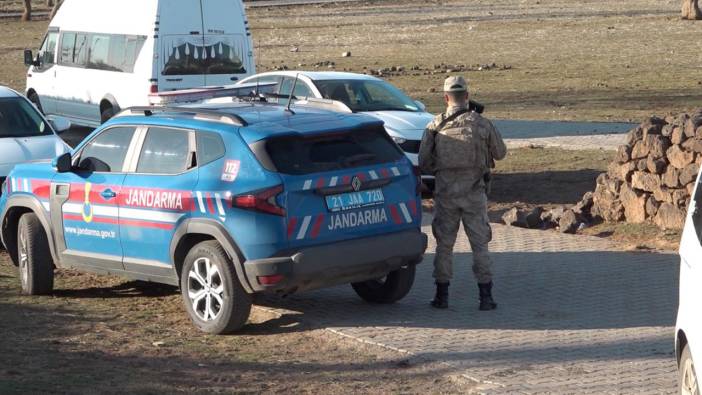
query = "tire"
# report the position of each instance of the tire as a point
(107, 114)
(395, 286)
(212, 311)
(36, 266)
(34, 98)
(687, 378)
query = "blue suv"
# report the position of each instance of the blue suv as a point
(225, 201)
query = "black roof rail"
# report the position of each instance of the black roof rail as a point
(200, 113)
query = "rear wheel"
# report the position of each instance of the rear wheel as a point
(211, 291)
(389, 289)
(36, 268)
(688, 384)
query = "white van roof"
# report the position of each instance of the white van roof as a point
(134, 17)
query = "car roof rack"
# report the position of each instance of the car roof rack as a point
(197, 113)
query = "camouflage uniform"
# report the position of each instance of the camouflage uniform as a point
(460, 155)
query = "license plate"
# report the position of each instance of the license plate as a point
(353, 200)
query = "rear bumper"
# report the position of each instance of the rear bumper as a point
(338, 263)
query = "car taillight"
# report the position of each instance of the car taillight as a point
(154, 88)
(418, 175)
(263, 201)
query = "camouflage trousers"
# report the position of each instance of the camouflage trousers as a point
(448, 214)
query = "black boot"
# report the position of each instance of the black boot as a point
(486, 301)
(441, 299)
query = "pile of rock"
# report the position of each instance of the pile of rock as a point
(653, 174)
(562, 218)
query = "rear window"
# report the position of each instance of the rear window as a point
(333, 151)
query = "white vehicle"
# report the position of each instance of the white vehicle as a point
(688, 339)
(100, 56)
(405, 119)
(25, 135)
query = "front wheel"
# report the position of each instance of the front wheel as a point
(688, 384)
(389, 289)
(36, 267)
(211, 291)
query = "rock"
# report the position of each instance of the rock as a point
(657, 145)
(569, 222)
(606, 204)
(689, 173)
(669, 217)
(645, 181)
(634, 136)
(671, 178)
(689, 188)
(623, 154)
(585, 205)
(640, 150)
(690, 10)
(653, 125)
(652, 206)
(678, 135)
(554, 215)
(621, 172)
(346, 54)
(679, 158)
(515, 217)
(533, 219)
(663, 195)
(294, 49)
(692, 124)
(642, 164)
(634, 205)
(431, 90)
(693, 145)
(656, 166)
(679, 197)
(667, 130)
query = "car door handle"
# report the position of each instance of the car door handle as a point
(108, 194)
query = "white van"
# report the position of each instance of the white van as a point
(100, 56)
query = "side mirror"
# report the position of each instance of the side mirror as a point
(420, 105)
(63, 163)
(29, 58)
(59, 124)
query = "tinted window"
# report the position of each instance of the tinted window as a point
(210, 147)
(18, 118)
(190, 56)
(313, 154)
(366, 95)
(47, 53)
(165, 151)
(106, 152)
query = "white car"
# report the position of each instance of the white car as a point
(100, 56)
(688, 339)
(25, 135)
(405, 119)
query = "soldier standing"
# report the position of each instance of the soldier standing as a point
(459, 148)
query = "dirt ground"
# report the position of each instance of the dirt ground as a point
(104, 335)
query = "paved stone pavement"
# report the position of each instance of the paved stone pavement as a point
(575, 316)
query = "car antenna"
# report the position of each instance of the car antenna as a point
(287, 108)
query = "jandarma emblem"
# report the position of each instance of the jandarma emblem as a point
(356, 184)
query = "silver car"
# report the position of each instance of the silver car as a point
(405, 119)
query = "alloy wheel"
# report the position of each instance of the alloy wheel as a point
(23, 260)
(206, 289)
(689, 383)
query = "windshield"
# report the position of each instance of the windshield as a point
(18, 118)
(366, 95)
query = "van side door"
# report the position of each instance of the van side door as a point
(42, 78)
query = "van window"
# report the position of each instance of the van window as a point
(99, 52)
(106, 152)
(185, 57)
(47, 53)
(298, 154)
(165, 151)
(68, 42)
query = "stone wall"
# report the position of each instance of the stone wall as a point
(653, 174)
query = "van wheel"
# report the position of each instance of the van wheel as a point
(688, 384)
(34, 98)
(211, 291)
(393, 287)
(36, 268)
(107, 114)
